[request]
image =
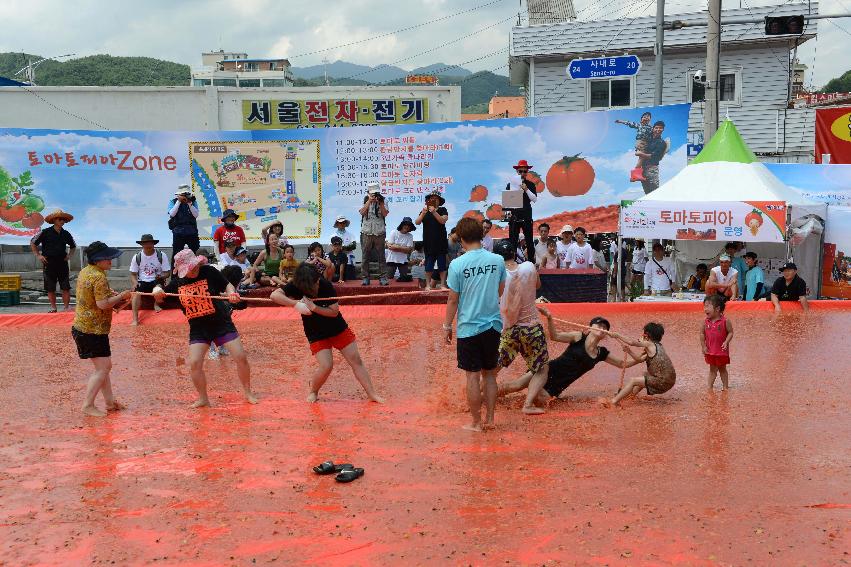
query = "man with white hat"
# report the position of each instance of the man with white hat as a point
(182, 220)
(563, 245)
(373, 231)
(54, 256)
(341, 224)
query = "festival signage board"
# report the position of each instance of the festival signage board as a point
(833, 134)
(278, 114)
(600, 67)
(118, 184)
(745, 221)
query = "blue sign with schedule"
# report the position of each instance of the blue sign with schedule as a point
(602, 67)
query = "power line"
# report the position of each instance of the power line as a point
(838, 26)
(62, 110)
(408, 28)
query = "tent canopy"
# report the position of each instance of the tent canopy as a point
(726, 170)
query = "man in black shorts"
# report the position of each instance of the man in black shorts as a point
(54, 256)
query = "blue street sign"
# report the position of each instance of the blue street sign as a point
(602, 67)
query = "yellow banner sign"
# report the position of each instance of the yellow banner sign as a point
(274, 114)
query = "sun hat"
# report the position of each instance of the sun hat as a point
(342, 220)
(407, 221)
(522, 163)
(505, 249)
(147, 238)
(240, 250)
(183, 189)
(789, 266)
(566, 228)
(186, 260)
(229, 213)
(97, 251)
(373, 187)
(58, 214)
(438, 195)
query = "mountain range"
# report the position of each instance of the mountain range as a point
(377, 74)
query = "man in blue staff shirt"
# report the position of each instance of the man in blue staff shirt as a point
(476, 280)
(754, 288)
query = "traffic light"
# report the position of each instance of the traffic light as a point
(784, 25)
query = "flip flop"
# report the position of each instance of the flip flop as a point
(329, 467)
(349, 475)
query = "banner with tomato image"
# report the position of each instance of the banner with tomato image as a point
(118, 184)
(745, 221)
(833, 134)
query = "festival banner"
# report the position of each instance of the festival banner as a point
(745, 221)
(833, 134)
(277, 114)
(118, 185)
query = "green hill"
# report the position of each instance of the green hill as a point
(839, 84)
(99, 70)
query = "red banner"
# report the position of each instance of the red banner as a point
(833, 134)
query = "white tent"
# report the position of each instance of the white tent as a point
(726, 170)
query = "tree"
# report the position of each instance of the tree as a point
(840, 84)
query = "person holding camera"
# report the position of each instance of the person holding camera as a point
(182, 220)
(373, 231)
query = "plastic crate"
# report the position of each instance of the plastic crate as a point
(10, 282)
(10, 298)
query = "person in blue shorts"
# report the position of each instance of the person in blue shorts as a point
(476, 281)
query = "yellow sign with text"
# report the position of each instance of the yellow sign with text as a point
(276, 114)
(841, 127)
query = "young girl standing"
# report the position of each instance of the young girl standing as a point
(549, 261)
(715, 336)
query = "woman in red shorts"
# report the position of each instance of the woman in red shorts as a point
(324, 326)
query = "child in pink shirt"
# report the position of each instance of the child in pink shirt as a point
(715, 336)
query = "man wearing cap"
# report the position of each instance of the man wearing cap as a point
(54, 256)
(341, 224)
(182, 220)
(373, 231)
(723, 279)
(92, 323)
(433, 217)
(563, 245)
(400, 244)
(789, 287)
(521, 219)
(228, 231)
(148, 268)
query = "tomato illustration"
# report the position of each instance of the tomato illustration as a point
(473, 214)
(570, 176)
(478, 193)
(753, 220)
(536, 179)
(13, 214)
(494, 212)
(33, 220)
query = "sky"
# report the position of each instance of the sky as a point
(308, 32)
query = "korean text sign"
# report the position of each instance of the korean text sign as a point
(746, 221)
(276, 114)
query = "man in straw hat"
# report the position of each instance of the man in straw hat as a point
(147, 269)
(373, 231)
(209, 319)
(57, 245)
(92, 323)
(182, 220)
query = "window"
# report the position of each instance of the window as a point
(609, 93)
(224, 82)
(275, 83)
(249, 67)
(201, 82)
(730, 90)
(249, 82)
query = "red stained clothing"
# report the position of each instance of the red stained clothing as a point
(229, 233)
(338, 342)
(715, 333)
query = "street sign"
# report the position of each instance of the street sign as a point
(602, 67)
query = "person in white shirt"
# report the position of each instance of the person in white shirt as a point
(399, 244)
(723, 279)
(580, 255)
(639, 261)
(341, 223)
(487, 241)
(660, 274)
(599, 258)
(562, 246)
(228, 257)
(147, 269)
(541, 242)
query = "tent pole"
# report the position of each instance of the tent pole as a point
(620, 264)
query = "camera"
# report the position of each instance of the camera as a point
(700, 76)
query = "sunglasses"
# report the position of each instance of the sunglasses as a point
(522, 171)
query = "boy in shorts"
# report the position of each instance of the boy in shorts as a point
(522, 332)
(92, 322)
(209, 319)
(476, 281)
(660, 376)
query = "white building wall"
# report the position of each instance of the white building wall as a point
(182, 108)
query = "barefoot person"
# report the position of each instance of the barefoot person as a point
(660, 376)
(209, 319)
(92, 322)
(715, 336)
(324, 326)
(476, 281)
(582, 354)
(522, 332)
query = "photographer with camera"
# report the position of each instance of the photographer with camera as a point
(373, 231)
(521, 219)
(182, 220)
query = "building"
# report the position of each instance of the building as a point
(501, 107)
(756, 74)
(232, 69)
(221, 108)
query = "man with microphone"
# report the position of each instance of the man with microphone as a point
(522, 218)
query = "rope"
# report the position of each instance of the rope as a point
(268, 300)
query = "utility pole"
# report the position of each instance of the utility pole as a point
(660, 41)
(713, 75)
(325, 62)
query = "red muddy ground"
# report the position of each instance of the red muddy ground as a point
(758, 475)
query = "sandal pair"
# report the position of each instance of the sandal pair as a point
(345, 472)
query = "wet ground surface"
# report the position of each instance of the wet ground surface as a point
(756, 475)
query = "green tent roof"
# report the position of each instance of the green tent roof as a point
(726, 145)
